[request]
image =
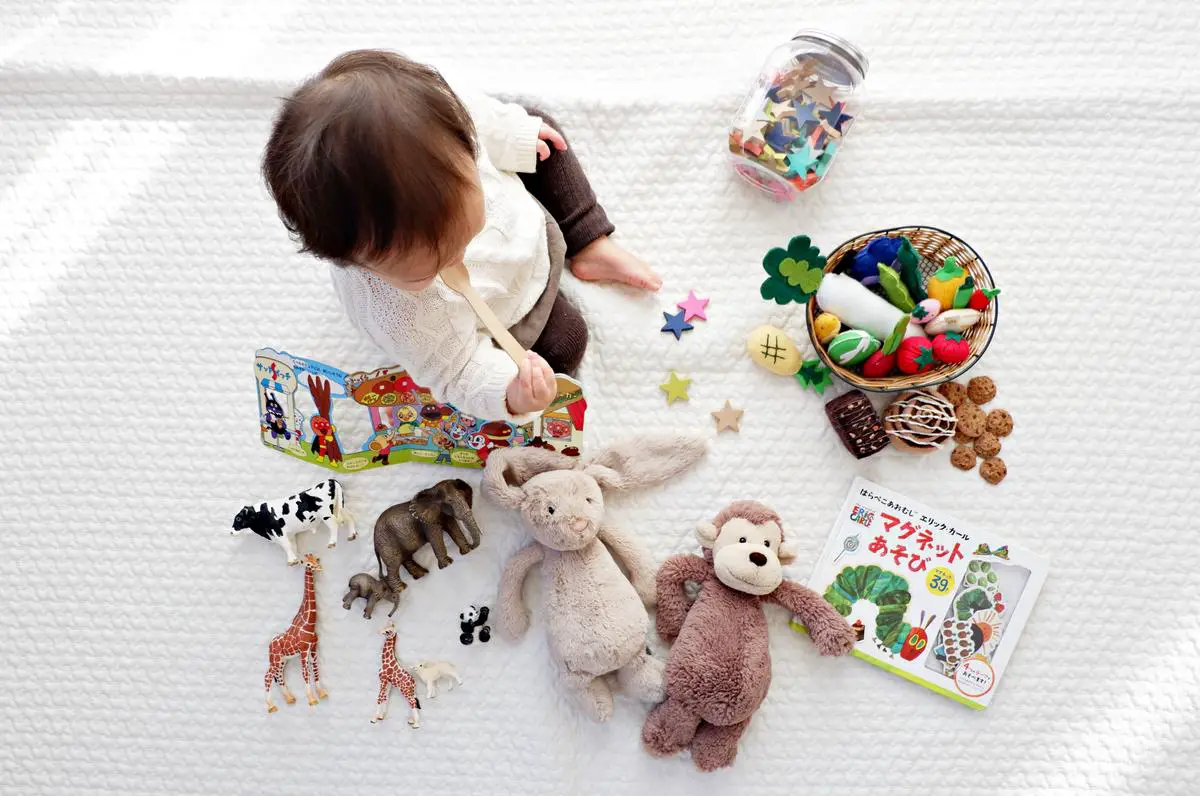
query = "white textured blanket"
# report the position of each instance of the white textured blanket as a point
(141, 264)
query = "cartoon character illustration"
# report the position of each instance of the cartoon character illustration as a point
(887, 590)
(273, 419)
(406, 414)
(325, 443)
(445, 448)
(917, 639)
(477, 441)
(382, 442)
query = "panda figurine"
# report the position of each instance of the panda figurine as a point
(473, 618)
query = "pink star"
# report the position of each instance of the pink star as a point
(693, 307)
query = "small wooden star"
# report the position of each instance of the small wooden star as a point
(693, 307)
(675, 388)
(675, 324)
(820, 93)
(728, 418)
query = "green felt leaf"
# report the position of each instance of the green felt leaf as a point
(990, 292)
(910, 270)
(953, 336)
(794, 273)
(924, 358)
(814, 375)
(962, 296)
(896, 337)
(948, 271)
(896, 292)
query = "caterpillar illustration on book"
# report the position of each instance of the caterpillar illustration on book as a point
(887, 591)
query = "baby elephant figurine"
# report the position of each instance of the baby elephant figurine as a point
(405, 528)
(595, 616)
(370, 589)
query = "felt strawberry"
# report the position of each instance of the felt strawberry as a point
(915, 355)
(982, 297)
(951, 348)
(879, 365)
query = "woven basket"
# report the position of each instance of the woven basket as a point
(934, 246)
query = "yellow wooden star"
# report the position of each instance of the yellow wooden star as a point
(675, 388)
(728, 418)
(821, 93)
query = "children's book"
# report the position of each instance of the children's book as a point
(929, 600)
(365, 419)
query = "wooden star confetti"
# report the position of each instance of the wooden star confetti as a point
(675, 388)
(676, 324)
(820, 93)
(693, 307)
(728, 418)
(806, 112)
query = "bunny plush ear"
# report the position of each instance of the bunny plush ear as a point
(508, 469)
(644, 461)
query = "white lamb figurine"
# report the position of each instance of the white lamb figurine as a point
(429, 672)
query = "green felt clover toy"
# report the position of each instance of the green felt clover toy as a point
(794, 273)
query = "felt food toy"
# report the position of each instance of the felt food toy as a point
(879, 365)
(859, 308)
(963, 294)
(771, 348)
(881, 251)
(926, 310)
(953, 321)
(826, 326)
(951, 348)
(719, 668)
(597, 578)
(908, 263)
(852, 347)
(794, 273)
(982, 297)
(915, 355)
(894, 287)
(919, 421)
(857, 424)
(945, 282)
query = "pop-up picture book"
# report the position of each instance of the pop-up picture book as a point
(360, 420)
(929, 600)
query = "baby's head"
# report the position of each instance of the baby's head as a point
(372, 162)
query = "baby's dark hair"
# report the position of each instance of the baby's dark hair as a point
(367, 157)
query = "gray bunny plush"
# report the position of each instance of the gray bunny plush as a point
(596, 617)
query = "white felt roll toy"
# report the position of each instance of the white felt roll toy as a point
(858, 307)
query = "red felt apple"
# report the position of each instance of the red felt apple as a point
(879, 365)
(915, 355)
(951, 348)
(981, 298)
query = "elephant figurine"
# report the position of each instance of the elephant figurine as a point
(364, 586)
(404, 528)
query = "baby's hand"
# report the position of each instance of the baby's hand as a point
(548, 133)
(534, 387)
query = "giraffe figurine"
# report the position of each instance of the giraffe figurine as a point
(391, 673)
(299, 639)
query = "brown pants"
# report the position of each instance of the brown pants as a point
(563, 189)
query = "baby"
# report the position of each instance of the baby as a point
(379, 167)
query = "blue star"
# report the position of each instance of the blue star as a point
(800, 161)
(834, 115)
(675, 324)
(779, 137)
(805, 113)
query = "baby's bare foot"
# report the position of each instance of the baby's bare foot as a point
(604, 261)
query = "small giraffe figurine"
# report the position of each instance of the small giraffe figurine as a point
(299, 639)
(391, 673)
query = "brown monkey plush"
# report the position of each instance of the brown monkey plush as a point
(720, 668)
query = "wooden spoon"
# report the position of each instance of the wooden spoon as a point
(458, 280)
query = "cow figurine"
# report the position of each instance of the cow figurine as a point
(280, 520)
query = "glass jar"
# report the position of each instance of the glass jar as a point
(788, 130)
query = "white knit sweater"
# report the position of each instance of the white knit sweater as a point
(433, 333)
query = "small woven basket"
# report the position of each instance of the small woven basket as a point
(934, 246)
